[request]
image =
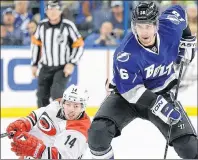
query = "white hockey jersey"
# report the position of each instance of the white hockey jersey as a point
(64, 139)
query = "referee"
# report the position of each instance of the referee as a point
(57, 47)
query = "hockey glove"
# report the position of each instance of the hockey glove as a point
(28, 145)
(187, 49)
(167, 112)
(18, 126)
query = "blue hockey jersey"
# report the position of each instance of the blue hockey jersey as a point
(136, 68)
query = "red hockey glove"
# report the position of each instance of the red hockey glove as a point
(18, 126)
(28, 145)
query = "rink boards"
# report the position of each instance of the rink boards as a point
(18, 87)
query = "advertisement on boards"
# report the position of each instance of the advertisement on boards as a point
(18, 86)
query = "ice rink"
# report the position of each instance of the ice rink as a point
(139, 140)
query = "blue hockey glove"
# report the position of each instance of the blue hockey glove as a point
(167, 112)
(187, 49)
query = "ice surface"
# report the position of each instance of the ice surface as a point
(139, 140)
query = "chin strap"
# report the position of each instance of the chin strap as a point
(81, 114)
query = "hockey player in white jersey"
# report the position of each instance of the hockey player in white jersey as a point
(58, 131)
(143, 77)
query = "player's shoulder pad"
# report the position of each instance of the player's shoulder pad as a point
(129, 44)
(174, 10)
(128, 51)
(174, 7)
(126, 41)
(177, 7)
(81, 125)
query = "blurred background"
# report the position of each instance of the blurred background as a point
(94, 19)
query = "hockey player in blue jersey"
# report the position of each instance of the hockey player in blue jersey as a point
(143, 79)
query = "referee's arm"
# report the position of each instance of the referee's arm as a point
(77, 44)
(36, 45)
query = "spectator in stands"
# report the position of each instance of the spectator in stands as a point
(70, 9)
(165, 4)
(14, 36)
(37, 17)
(84, 18)
(117, 18)
(67, 13)
(85, 11)
(4, 41)
(23, 17)
(101, 15)
(106, 37)
(32, 25)
(192, 17)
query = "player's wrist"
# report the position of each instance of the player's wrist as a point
(187, 49)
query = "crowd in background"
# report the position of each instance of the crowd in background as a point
(101, 23)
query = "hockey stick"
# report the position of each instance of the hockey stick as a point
(179, 79)
(176, 94)
(7, 134)
(4, 135)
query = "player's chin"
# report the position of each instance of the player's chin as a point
(145, 41)
(70, 117)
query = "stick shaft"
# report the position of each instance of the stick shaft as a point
(176, 94)
(4, 135)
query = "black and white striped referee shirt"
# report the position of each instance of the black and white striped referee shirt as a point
(55, 45)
